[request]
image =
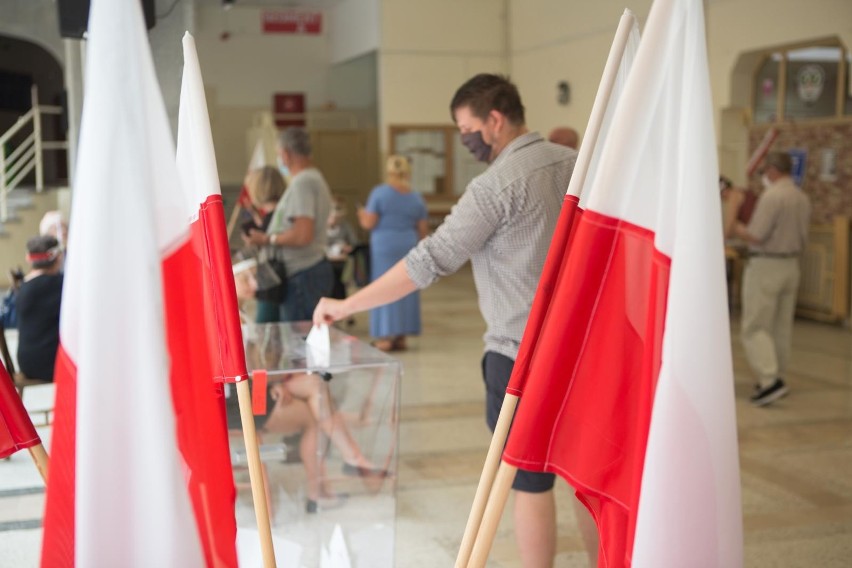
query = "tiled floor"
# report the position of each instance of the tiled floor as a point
(796, 455)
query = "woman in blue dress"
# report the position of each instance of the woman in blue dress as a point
(396, 217)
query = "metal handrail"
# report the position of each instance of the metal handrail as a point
(27, 157)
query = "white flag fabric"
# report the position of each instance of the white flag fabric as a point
(117, 494)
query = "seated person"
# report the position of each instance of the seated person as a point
(37, 303)
(293, 407)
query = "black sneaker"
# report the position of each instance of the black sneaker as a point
(768, 395)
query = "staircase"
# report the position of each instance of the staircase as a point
(21, 208)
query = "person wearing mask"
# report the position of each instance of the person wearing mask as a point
(38, 301)
(776, 235)
(396, 219)
(503, 224)
(298, 228)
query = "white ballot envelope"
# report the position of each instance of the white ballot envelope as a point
(318, 346)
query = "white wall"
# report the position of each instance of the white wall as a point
(248, 67)
(241, 74)
(353, 29)
(353, 84)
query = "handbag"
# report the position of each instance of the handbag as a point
(271, 275)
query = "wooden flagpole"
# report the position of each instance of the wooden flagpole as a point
(261, 511)
(486, 479)
(235, 215)
(41, 460)
(493, 513)
(485, 514)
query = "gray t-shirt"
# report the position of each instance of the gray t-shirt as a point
(307, 195)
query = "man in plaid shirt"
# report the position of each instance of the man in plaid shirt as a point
(503, 224)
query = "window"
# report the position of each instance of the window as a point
(803, 82)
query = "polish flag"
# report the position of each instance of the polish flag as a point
(120, 492)
(630, 396)
(16, 429)
(203, 323)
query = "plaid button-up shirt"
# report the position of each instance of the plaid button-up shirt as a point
(502, 224)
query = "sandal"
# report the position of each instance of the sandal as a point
(383, 344)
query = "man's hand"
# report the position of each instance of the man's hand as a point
(329, 311)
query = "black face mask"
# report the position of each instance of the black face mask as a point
(476, 145)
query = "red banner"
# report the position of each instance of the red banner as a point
(288, 109)
(291, 22)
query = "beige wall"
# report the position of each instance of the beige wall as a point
(428, 50)
(553, 40)
(737, 28)
(570, 44)
(242, 73)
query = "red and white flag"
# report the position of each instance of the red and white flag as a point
(16, 429)
(117, 494)
(630, 396)
(203, 325)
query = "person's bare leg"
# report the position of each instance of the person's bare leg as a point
(588, 530)
(308, 388)
(295, 416)
(535, 528)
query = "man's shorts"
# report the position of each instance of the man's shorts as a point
(496, 371)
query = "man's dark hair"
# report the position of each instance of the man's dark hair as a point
(486, 92)
(47, 249)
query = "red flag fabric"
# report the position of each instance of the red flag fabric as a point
(16, 429)
(630, 390)
(117, 493)
(203, 324)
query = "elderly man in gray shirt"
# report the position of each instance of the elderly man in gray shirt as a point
(503, 224)
(776, 234)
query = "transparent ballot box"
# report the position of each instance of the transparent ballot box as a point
(328, 445)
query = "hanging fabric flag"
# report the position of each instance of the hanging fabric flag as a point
(630, 390)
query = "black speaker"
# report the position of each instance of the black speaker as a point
(74, 17)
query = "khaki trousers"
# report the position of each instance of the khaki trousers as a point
(769, 305)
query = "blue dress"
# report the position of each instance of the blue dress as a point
(391, 239)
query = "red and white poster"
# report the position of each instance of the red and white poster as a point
(291, 22)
